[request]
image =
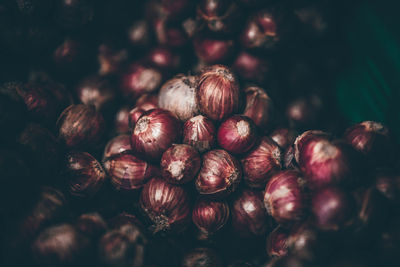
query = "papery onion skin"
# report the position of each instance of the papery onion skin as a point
(219, 175)
(128, 172)
(249, 216)
(284, 137)
(155, 132)
(308, 138)
(218, 93)
(284, 197)
(213, 50)
(166, 205)
(261, 162)
(118, 145)
(180, 164)
(259, 107)
(200, 133)
(209, 216)
(237, 134)
(277, 242)
(178, 95)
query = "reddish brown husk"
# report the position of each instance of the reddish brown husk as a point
(284, 197)
(128, 172)
(263, 161)
(166, 205)
(118, 145)
(218, 93)
(212, 51)
(277, 242)
(220, 16)
(155, 132)
(219, 175)
(210, 215)
(180, 164)
(178, 95)
(249, 216)
(237, 134)
(284, 137)
(199, 132)
(259, 107)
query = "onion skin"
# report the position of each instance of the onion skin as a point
(219, 175)
(249, 217)
(284, 198)
(201, 257)
(166, 205)
(164, 59)
(308, 138)
(220, 16)
(128, 172)
(84, 174)
(180, 164)
(178, 95)
(332, 209)
(121, 121)
(261, 162)
(118, 145)
(212, 51)
(277, 242)
(250, 67)
(284, 137)
(259, 107)
(237, 134)
(209, 216)
(373, 140)
(155, 132)
(218, 93)
(147, 102)
(91, 224)
(200, 133)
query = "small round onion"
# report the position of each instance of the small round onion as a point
(308, 138)
(212, 51)
(373, 140)
(147, 102)
(210, 215)
(154, 133)
(237, 134)
(249, 217)
(201, 257)
(218, 93)
(332, 209)
(128, 172)
(84, 174)
(284, 137)
(180, 164)
(121, 120)
(166, 205)
(277, 242)
(259, 107)
(284, 198)
(80, 126)
(164, 59)
(261, 163)
(199, 132)
(303, 113)
(118, 145)
(170, 32)
(91, 224)
(251, 67)
(220, 16)
(178, 95)
(220, 174)
(134, 116)
(388, 184)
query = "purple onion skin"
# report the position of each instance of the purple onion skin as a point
(91, 224)
(118, 145)
(308, 138)
(180, 164)
(121, 121)
(251, 67)
(261, 162)
(128, 172)
(259, 107)
(218, 93)
(332, 209)
(219, 175)
(284, 197)
(277, 242)
(200, 133)
(373, 140)
(209, 216)
(249, 216)
(213, 51)
(219, 16)
(284, 137)
(166, 205)
(154, 133)
(237, 134)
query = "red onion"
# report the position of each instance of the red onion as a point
(251, 67)
(166, 205)
(128, 172)
(220, 15)
(111, 60)
(277, 242)
(139, 34)
(218, 93)
(284, 137)
(201, 257)
(307, 243)
(147, 101)
(373, 140)
(180, 164)
(178, 95)
(175, 7)
(249, 217)
(210, 216)
(388, 184)
(118, 145)
(170, 32)
(220, 174)
(259, 107)
(199, 132)
(284, 198)
(70, 55)
(237, 134)
(134, 116)
(303, 112)
(91, 224)
(308, 138)
(154, 133)
(138, 80)
(261, 163)
(289, 161)
(121, 120)
(214, 50)
(332, 208)
(80, 126)
(164, 59)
